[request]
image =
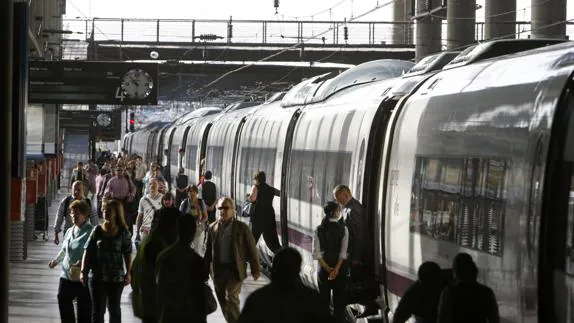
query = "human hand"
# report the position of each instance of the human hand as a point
(56, 239)
(256, 275)
(127, 279)
(84, 278)
(52, 264)
(333, 274)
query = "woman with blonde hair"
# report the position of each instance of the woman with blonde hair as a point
(107, 261)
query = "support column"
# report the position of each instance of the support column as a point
(403, 32)
(548, 19)
(500, 19)
(460, 21)
(6, 30)
(49, 146)
(19, 102)
(428, 34)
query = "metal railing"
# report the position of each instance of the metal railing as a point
(265, 32)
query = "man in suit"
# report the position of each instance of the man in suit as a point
(230, 246)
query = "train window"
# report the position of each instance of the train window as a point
(460, 200)
(191, 157)
(214, 160)
(174, 154)
(313, 174)
(254, 159)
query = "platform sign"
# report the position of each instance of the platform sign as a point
(93, 82)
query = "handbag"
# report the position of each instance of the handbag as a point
(210, 302)
(247, 209)
(74, 272)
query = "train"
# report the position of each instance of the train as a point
(476, 158)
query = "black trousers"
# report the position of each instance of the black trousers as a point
(106, 294)
(68, 291)
(269, 232)
(337, 286)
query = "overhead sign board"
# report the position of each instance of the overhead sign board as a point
(92, 82)
(105, 125)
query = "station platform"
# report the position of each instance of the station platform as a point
(34, 286)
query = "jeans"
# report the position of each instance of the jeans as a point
(106, 293)
(68, 291)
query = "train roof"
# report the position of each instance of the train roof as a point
(497, 48)
(431, 63)
(301, 92)
(382, 69)
(539, 65)
(240, 105)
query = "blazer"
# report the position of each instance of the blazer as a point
(243, 248)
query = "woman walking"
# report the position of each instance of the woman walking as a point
(194, 206)
(70, 256)
(108, 249)
(263, 218)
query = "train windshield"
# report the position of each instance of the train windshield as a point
(365, 73)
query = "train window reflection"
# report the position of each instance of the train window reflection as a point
(460, 200)
(191, 160)
(214, 160)
(174, 154)
(313, 174)
(254, 159)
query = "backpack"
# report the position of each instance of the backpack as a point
(208, 192)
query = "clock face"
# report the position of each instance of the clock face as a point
(137, 84)
(104, 119)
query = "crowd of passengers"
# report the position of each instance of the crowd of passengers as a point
(181, 241)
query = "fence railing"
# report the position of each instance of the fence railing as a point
(333, 33)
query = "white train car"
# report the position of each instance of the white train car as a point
(330, 144)
(479, 160)
(221, 145)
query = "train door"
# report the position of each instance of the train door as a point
(556, 274)
(203, 150)
(234, 172)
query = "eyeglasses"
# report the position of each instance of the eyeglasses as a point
(223, 208)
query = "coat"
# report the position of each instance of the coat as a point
(244, 248)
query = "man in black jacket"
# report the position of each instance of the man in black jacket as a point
(361, 288)
(285, 299)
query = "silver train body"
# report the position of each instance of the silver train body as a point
(476, 159)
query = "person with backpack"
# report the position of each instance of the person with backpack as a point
(195, 207)
(63, 214)
(181, 183)
(148, 205)
(208, 193)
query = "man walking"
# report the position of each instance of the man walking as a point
(230, 246)
(63, 215)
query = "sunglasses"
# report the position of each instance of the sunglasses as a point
(223, 208)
